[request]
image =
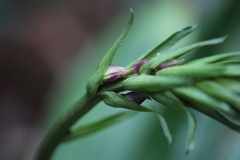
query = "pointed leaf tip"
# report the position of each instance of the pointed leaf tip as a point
(115, 100)
(194, 26)
(94, 127)
(164, 46)
(191, 130)
(221, 39)
(131, 10)
(189, 28)
(97, 78)
(174, 54)
(165, 128)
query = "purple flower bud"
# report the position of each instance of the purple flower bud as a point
(168, 64)
(114, 73)
(136, 97)
(138, 65)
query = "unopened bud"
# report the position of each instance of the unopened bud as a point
(138, 65)
(114, 73)
(136, 97)
(168, 64)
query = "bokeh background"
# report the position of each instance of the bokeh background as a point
(49, 49)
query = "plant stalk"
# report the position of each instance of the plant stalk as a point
(61, 127)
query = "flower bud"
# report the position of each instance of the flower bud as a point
(138, 65)
(136, 97)
(168, 64)
(114, 73)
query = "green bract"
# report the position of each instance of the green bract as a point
(200, 84)
(96, 80)
(166, 45)
(210, 85)
(150, 83)
(157, 60)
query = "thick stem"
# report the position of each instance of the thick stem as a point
(61, 127)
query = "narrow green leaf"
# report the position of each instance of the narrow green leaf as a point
(213, 114)
(229, 62)
(156, 61)
(215, 58)
(165, 99)
(191, 119)
(232, 84)
(97, 77)
(86, 130)
(202, 98)
(115, 100)
(148, 83)
(232, 70)
(167, 44)
(191, 130)
(165, 128)
(220, 92)
(201, 71)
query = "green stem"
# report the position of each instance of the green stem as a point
(61, 127)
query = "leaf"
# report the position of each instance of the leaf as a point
(201, 71)
(115, 100)
(86, 130)
(191, 119)
(148, 83)
(167, 44)
(229, 62)
(220, 92)
(97, 77)
(191, 130)
(232, 84)
(197, 96)
(156, 61)
(164, 99)
(214, 114)
(211, 112)
(232, 70)
(215, 58)
(165, 128)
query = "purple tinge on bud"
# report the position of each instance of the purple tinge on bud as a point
(168, 64)
(113, 73)
(136, 97)
(138, 65)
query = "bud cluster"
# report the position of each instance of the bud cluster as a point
(114, 73)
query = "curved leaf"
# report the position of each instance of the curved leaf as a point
(115, 100)
(88, 129)
(220, 92)
(201, 71)
(215, 115)
(165, 128)
(97, 77)
(167, 44)
(232, 84)
(164, 99)
(229, 62)
(197, 96)
(148, 83)
(191, 119)
(156, 61)
(215, 58)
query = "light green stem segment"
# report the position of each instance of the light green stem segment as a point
(61, 127)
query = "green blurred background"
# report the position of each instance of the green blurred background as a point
(49, 49)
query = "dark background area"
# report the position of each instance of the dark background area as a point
(39, 40)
